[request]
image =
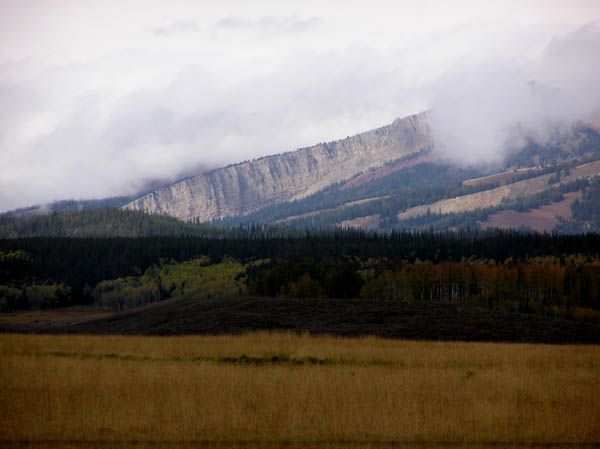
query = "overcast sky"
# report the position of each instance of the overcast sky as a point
(98, 97)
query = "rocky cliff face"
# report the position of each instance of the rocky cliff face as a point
(251, 185)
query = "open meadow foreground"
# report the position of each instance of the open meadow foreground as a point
(288, 390)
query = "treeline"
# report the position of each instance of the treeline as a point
(81, 263)
(37, 296)
(19, 289)
(198, 278)
(100, 222)
(535, 285)
(585, 212)
(64, 206)
(559, 284)
(307, 278)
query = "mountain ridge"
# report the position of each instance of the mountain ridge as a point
(247, 186)
(385, 179)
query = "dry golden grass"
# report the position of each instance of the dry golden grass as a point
(66, 388)
(541, 219)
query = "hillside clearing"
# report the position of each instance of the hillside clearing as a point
(542, 219)
(347, 205)
(494, 197)
(502, 178)
(366, 222)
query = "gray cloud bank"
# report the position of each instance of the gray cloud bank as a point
(180, 26)
(60, 137)
(270, 24)
(482, 112)
(95, 151)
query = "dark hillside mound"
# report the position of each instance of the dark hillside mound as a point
(343, 317)
(104, 222)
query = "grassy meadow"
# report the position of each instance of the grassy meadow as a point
(273, 388)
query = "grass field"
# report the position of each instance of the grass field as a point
(271, 388)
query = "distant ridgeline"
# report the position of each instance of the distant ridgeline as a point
(553, 188)
(384, 179)
(320, 213)
(421, 191)
(68, 206)
(386, 197)
(101, 222)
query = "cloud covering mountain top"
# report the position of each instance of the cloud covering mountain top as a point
(481, 112)
(97, 99)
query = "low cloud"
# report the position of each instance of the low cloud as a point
(95, 149)
(178, 27)
(269, 24)
(481, 112)
(168, 91)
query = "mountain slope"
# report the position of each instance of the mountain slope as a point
(68, 206)
(494, 197)
(99, 222)
(251, 185)
(385, 179)
(542, 219)
(421, 190)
